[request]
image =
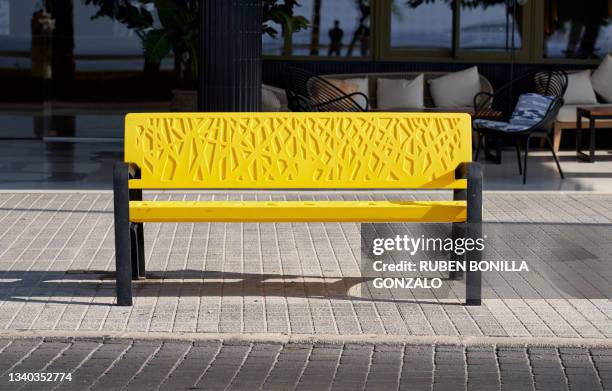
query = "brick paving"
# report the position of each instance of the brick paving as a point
(57, 259)
(216, 365)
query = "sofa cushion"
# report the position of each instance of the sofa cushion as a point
(269, 101)
(568, 112)
(579, 89)
(530, 109)
(280, 93)
(602, 79)
(362, 86)
(498, 125)
(455, 89)
(400, 93)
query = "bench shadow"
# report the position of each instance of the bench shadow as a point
(84, 287)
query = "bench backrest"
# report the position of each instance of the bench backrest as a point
(297, 150)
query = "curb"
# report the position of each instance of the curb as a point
(364, 339)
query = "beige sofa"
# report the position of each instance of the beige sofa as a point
(566, 119)
(485, 86)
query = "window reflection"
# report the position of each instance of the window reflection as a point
(273, 45)
(99, 44)
(420, 24)
(336, 28)
(489, 25)
(578, 29)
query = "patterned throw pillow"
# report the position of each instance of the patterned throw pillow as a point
(530, 109)
(498, 125)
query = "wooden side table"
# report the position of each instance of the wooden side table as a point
(593, 113)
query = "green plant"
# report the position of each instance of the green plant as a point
(282, 14)
(175, 30)
(179, 33)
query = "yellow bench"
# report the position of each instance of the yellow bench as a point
(267, 151)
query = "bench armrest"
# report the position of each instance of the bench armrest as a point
(466, 169)
(472, 171)
(122, 173)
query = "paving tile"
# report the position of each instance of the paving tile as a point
(291, 278)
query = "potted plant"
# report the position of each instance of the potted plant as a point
(178, 33)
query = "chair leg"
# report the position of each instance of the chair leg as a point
(123, 245)
(498, 150)
(518, 155)
(557, 136)
(487, 147)
(137, 253)
(527, 139)
(497, 157)
(552, 149)
(478, 146)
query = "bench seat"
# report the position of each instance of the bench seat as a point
(298, 211)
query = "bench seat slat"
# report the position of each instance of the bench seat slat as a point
(455, 184)
(298, 211)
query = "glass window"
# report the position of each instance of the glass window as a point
(419, 24)
(336, 28)
(574, 29)
(15, 36)
(99, 44)
(490, 25)
(272, 43)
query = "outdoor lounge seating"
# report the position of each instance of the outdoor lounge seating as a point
(293, 151)
(586, 89)
(515, 113)
(307, 92)
(428, 103)
(395, 92)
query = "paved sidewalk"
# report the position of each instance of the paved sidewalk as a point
(152, 365)
(57, 255)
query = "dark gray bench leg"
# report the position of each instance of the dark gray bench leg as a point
(141, 251)
(473, 284)
(458, 231)
(137, 240)
(137, 253)
(123, 246)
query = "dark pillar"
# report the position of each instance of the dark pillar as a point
(230, 55)
(62, 58)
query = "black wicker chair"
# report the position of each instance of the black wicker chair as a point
(494, 109)
(309, 92)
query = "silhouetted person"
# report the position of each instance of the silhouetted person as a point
(335, 36)
(364, 41)
(586, 22)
